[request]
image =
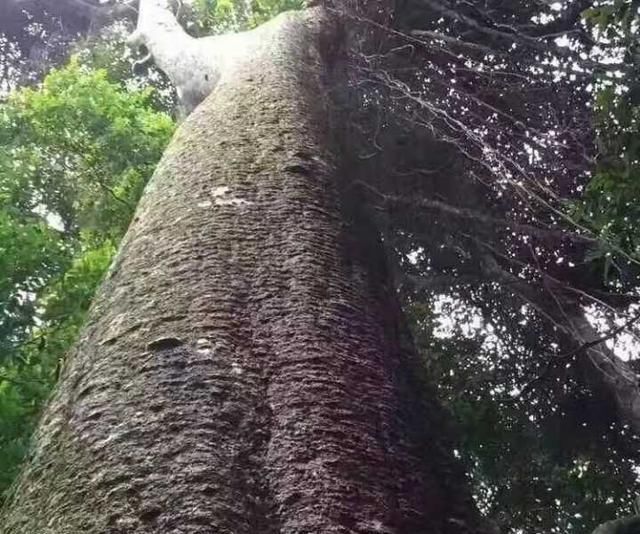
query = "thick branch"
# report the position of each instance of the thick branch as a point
(625, 525)
(194, 66)
(602, 369)
(487, 221)
(509, 34)
(565, 22)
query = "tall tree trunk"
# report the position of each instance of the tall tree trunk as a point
(242, 370)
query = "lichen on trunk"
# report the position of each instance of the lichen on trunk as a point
(243, 370)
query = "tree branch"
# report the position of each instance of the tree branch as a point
(476, 216)
(562, 24)
(602, 369)
(514, 34)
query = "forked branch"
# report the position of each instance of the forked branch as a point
(194, 66)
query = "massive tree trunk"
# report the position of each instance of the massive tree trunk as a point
(243, 369)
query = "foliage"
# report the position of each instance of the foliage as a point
(75, 155)
(611, 201)
(542, 459)
(219, 16)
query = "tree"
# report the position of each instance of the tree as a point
(245, 366)
(503, 231)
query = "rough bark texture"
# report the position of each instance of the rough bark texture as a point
(242, 369)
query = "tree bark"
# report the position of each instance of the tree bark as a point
(244, 368)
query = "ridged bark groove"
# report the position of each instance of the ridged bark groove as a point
(241, 370)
